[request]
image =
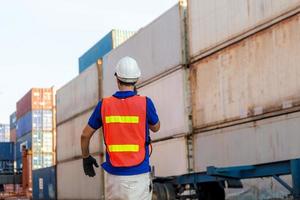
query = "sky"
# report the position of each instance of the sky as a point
(41, 41)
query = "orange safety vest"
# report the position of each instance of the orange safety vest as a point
(124, 129)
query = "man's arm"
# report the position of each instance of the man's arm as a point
(153, 120)
(86, 135)
(155, 128)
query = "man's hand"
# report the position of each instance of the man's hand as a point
(88, 166)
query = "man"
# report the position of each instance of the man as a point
(126, 119)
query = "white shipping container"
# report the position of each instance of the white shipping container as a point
(156, 47)
(263, 141)
(73, 184)
(169, 157)
(215, 21)
(257, 75)
(42, 141)
(78, 95)
(169, 98)
(68, 138)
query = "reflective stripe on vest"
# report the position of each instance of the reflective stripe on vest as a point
(122, 119)
(123, 148)
(124, 129)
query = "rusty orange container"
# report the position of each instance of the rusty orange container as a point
(36, 99)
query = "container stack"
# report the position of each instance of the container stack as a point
(110, 41)
(13, 126)
(35, 127)
(4, 133)
(77, 99)
(224, 77)
(160, 52)
(75, 103)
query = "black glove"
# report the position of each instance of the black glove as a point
(88, 166)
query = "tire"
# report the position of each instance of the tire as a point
(158, 192)
(163, 191)
(211, 191)
(170, 191)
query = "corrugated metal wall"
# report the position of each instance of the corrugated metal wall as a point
(75, 102)
(243, 85)
(250, 77)
(214, 22)
(241, 69)
(157, 48)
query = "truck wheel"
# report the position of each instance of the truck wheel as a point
(211, 191)
(158, 191)
(170, 191)
(163, 191)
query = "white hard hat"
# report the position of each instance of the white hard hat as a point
(127, 70)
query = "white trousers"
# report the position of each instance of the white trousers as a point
(135, 187)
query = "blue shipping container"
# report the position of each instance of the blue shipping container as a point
(44, 183)
(7, 151)
(110, 41)
(97, 51)
(13, 120)
(26, 141)
(35, 120)
(24, 125)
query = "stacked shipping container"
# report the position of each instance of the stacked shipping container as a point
(44, 183)
(72, 117)
(232, 106)
(35, 127)
(4, 133)
(13, 125)
(164, 80)
(89, 87)
(244, 85)
(110, 41)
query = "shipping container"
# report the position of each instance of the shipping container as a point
(68, 135)
(255, 76)
(163, 160)
(42, 160)
(79, 95)
(213, 23)
(157, 48)
(6, 151)
(267, 140)
(110, 41)
(36, 99)
(73, 184)
(172, 107)
(4, 133)
(13, 120)
(42, 142)
(44, 183)
(37, 120)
